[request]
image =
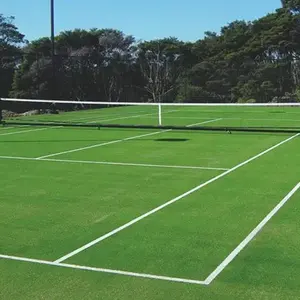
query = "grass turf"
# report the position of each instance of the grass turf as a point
(48, 209)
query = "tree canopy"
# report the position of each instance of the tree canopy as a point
(11, 41)
(255, 61)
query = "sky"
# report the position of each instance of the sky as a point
(185, 19)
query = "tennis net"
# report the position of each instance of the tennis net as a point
(261, 117)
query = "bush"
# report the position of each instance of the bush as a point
(243, 100)
(297, 94)
(287, 98)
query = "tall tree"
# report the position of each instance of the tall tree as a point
(10, 42)
(245, 61)
(292, 5)
(161, 65)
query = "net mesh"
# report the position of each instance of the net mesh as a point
(264, 117)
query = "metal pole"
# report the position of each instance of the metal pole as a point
(53, 83)
(1, 111)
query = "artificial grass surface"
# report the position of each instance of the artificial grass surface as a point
(48, 209)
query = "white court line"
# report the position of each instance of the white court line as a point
(104, 118)
(251, 236)
(205, 122)
(224, 118)
(102, 144)
(132, 222)
(122, 118)
(101, 270)
(100, 117)
(113, 163)
(277, 105)
(113, 142)
(118, 116)
(23, 131)
(6, 127)
(132, 116)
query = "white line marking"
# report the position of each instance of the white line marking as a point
(224, 118)
(187, 118)
(101, 270)
(109, 143)
(99, 116)
(113, 117)
(251, 236)
(131, 116)
(122, 118)
(113, 232)
(23, 131)
(113, 163)
(205, 122)
(102, 144)
(116, 117)
(6, 127)
(287, 104)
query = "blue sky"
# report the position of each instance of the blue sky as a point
(185, 19)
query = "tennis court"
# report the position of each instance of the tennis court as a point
(149, 212)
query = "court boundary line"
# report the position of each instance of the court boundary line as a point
(206, 122)
(22, 131)
(207, 281)
(116, 141)
(250, 236)
(129, 117)
(6, 127)
(225, 118)
(102, 270)
(113, 163)
(101, 144)
(100, 118)
(158, 208)
(113, 117)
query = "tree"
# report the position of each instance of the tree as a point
(10, 42)
(246, 60)
(291, 5)
(161, 64)
(89, 65)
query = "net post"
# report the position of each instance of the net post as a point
(159, 114)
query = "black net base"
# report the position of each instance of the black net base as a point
(157, 127)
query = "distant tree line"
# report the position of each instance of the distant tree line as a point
(254, 61)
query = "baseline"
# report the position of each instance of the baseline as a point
(6, 127)
(113, 163)
(128, 117)
(205, 122)
(225, 118)
(101, 270)
(23, 131)
(149, 213)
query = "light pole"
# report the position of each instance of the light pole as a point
(53, 81)
(52, 26)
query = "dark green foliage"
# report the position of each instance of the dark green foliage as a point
(292, 5)
(254, 61)
(10, 41)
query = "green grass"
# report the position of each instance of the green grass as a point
(50, 208)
